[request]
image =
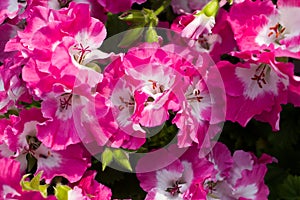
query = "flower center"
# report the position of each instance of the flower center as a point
(65, 102)
(157, 88)
(175, 189)
(33, 144)
(82, 52)
(260, 74)
(195, 96)
(203, 41)
(63, 3)
(211, 186)
(128, 104)
(278, 31)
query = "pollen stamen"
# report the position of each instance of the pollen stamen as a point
(154, 84)
(127, 103)
(278, 30)
(65, 102)
(195, 96)
(175, 189)
(204, 42)
(260, 77)
(82, 52)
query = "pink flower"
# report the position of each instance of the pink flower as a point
(58, 46)
(181, 7)
(8, 9)
(193, 119)
(12, 87)
(216, 40)
(89, 188)
(201, 21)
(10, 178)
(259, 25)
(116, 6)
(220, 40)
(137, 98)
(7, 32)
(59, 130)
(182, 179)
(193, 25)
(200, 98)
(150, 81)
(23, 140)
(65, 41)
(239, 177)
(256, 88)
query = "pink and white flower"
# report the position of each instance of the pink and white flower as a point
(213, 38)
(23, 141)
(8, 31)
(88, 188)
(10, 179)
(8, 9)
(150, 81)
(256, 88)
(65, 42)
(200, 22)
(116, 6)
(239, 177)
(259, 25)
(182, 7)
(12, 87)
(182, 179)
(193, 25)
(220, 41)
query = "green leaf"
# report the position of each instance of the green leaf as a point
(106, 158)
(134, 16)
(131, 36)
(282, 59)
(61, 192)
(114, 25)
(230, 2)
(290, 189)
(151, 35)
(34, 184)
(122, 159)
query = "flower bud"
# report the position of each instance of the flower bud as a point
(134, 16)
(211, 9)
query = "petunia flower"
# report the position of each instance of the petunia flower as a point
(115, 6)
(182, 179)
(65, 41)
(256, 88)
(200, 22)
(8, 9)
(23, 142)
(260, 25)
(12, 88)
(182, 7)
(88, 188)
(239, 177)
(10, 178)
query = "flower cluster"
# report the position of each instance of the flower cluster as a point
(64, 99)
(216, 176)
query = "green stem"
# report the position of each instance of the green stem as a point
(164, 5)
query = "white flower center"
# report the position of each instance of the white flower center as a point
(65, 102)
(258, 80)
